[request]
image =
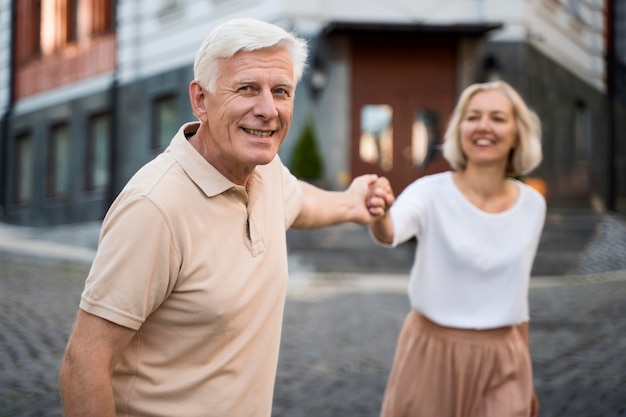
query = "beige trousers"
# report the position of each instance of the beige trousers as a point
(446, 372)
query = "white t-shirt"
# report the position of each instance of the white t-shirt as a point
(472, 268)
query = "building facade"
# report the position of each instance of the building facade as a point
(93, 89)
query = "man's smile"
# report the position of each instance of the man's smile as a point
(259, 133)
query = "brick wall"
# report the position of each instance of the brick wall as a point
(70, 65)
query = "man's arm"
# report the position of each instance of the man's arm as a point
(85, 378)
(360, 203)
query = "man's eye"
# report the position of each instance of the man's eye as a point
(281, 91)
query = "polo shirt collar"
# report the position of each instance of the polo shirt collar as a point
(201, 172)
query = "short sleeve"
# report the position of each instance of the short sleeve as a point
(135, 267)
(409, 210)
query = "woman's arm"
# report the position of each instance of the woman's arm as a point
(382, 229)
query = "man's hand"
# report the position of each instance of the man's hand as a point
(381, 198)
(365, 206)
(376, 196)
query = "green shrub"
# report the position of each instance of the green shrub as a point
(306, 162)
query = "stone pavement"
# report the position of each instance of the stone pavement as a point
(341, 319)
(337, 349)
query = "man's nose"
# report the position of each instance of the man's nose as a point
(266, 106)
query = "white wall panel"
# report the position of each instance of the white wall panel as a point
(151, 41)
(576, 42)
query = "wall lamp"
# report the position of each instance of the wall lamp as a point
(492, 68)
(318, 78)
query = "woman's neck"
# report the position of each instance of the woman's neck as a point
(485, 181)
(487, 188)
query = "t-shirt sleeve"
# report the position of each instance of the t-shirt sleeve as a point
(135, 267)
(539, 207)
(409, 210)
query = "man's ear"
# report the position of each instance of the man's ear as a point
(196, 98)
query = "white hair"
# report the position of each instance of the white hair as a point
(225, 40)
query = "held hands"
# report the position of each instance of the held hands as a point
(374, 195)
(380, 199)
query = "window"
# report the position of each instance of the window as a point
(58, 168)
(164, 121)
(47, 26)
(23, 169)
(424, 137)
(101, 16)
(58, 24)
(582, 132)
(98, 152)
(27, 29)
(376, 140)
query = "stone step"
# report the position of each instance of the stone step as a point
(349, 248)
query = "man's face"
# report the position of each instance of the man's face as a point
(249, 115)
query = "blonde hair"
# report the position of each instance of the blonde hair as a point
(525, 157)
(236, 35)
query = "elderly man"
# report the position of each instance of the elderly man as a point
(182, 310)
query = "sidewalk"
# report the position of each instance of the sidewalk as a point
(73, 243)
(574, 242)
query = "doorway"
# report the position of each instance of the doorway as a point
(402, 95)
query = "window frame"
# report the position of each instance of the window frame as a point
(90, 184)
(157, 143)
(18, 178)
(52, 169)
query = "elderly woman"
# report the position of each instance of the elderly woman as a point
(463, 349)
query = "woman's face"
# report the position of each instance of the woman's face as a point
(488, 130)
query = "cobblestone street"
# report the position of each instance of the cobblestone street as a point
(338, 341)
(38, 302)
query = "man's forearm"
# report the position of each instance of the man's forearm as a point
(86, 393)
(322, 208)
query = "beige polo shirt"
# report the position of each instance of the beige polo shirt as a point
(198, 266)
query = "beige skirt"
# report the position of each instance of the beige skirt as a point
(445, 372)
